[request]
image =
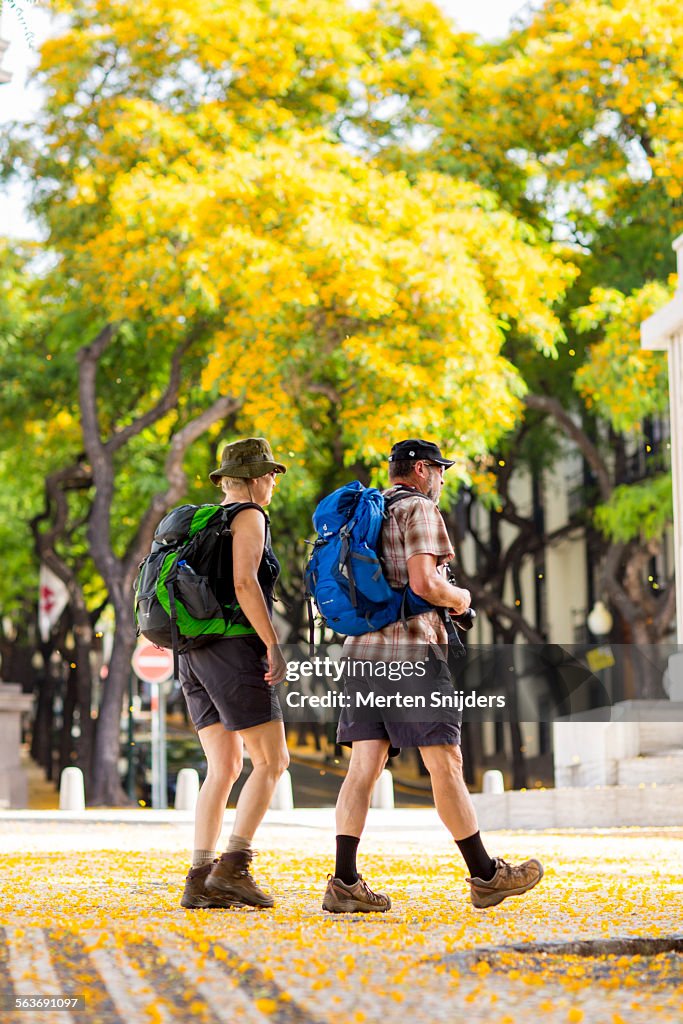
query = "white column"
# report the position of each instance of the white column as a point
(676, 413)
(664, 330)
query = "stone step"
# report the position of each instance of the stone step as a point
(656, 736)
(665, 767)
(643, 806)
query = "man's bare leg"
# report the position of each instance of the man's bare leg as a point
(368, 758)
(451, 796)
(493, 880)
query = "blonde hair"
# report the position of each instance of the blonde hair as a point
(234, 481)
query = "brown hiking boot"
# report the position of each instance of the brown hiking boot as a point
(230, 877)
(509, 880)
(358, 897)
(196, 897)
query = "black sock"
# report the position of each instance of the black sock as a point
(345, 868)
(479, 864)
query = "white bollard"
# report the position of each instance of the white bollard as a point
(186, 790)
(383, 793)
(493, 782)
(283, 798)
(71, 790)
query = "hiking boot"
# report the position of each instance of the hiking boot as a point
(358, 897)
(509, 880)
(230, 877)
(196, 896)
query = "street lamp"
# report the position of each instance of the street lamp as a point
(599, 620)
(664, 331)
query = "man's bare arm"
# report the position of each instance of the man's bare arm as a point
(428, 583)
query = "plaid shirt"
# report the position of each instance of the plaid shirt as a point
(414, 527)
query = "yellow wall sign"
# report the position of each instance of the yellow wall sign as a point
(599, 657)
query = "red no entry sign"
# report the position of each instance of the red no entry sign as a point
(152, 664)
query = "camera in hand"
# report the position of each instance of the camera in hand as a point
(465, 620)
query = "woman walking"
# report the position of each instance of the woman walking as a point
(229, 687)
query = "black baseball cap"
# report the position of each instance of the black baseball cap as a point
(414, 449)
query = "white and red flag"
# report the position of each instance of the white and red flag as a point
(53, 599)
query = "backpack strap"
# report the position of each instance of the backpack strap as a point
(230, 511)
(173, 613)
(403, 491)
(455, 644)
(311, 627)
(344, 563)
(228, 514)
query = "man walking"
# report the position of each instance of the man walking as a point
(415, 547)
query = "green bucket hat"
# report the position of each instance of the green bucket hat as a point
(248, 458)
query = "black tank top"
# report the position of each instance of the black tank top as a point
(267, 573)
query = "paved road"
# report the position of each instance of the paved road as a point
(148, 980)
(89, 905)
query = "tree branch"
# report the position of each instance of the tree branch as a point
(99, 531)
(496, 608)
(56, 484)
(616, 555)
(165, 404)
(551, 406)
(478, 542)
(160, 503)
(88, 357)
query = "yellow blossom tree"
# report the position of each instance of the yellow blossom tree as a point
(214, 246)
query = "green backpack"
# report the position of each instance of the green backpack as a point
(176, 604)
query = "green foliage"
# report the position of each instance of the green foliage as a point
(619, 380)
(637, 511)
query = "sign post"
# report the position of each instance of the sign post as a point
(154, 665)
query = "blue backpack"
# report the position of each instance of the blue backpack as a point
(344, 574)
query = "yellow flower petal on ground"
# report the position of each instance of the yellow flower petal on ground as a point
(265, 1005)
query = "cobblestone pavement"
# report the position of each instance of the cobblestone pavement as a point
(92, 909)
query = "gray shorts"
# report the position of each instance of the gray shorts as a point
(224, 682)
(410, 727)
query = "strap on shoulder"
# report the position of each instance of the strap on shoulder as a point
(230, 511)
(402, 492)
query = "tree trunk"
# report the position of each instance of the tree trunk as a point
(648, 676)
(519, 772)
(83, 635)
(66, 743)
(119, 572)
(42, 723)
(106, 782)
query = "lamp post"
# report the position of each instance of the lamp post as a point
(664, 331)
(599, 621)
